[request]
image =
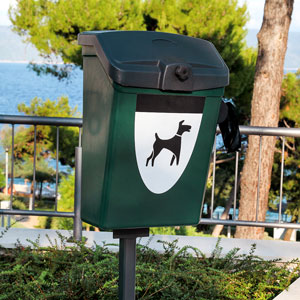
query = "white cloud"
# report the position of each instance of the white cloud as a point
(295, 26)
(256, 10)
(4, 5)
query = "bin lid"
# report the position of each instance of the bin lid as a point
(157, 60)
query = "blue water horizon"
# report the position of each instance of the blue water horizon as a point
(19, 84)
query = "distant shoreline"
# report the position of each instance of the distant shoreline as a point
(291, 69)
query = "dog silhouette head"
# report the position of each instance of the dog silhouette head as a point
(183, 128)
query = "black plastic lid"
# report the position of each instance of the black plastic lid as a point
(157, 60)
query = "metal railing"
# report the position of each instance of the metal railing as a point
(46, 121)
(258, 131)
(76, 122)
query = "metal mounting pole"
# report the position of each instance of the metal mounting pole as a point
(127, 259)
(77, 230)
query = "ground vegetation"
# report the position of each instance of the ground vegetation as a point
(73, 271)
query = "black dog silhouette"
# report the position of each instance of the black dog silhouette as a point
(173, 144)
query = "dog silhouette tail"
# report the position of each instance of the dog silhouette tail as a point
(156, 136)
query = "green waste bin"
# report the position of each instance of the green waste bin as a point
(151, 102)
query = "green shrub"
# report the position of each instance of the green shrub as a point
(77, 272)
(18, 202)
(4, 197)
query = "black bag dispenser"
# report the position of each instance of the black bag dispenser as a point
(229, 126)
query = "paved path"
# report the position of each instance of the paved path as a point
(30, 221)
(293, 292)
(266, 249)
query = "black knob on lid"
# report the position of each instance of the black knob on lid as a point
(182, 72)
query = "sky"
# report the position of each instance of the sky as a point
(255, 8)
(4, 5)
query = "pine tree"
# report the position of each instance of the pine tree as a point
(52, 27)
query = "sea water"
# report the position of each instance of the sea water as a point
(19, 84)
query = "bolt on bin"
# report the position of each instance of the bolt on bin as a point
(151, 103)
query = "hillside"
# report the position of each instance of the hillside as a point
(13, 49)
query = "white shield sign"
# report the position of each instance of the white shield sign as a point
(166, 131)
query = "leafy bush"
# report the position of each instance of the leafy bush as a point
(18, 202)
(66, 189)
(77, 272)
(4, 197)
(66, 203)
(2, 178)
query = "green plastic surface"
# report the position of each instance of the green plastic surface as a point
(114, 195)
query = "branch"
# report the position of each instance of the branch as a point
(286, 124)
(224, 160)
(288, 146)
(217, 162)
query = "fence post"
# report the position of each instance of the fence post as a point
(77, 231)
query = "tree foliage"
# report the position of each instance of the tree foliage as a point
(46, 135)
(290, 100)
(23, 152)
(45, 141)
(222, 23)
(66, 203)
(44, 173)
(2, 178)
(52, 27)
(289, 117)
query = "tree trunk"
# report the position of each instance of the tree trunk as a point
(288, 234)
(272, 44)
(288, 231)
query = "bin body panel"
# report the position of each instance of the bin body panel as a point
(98, 95)
(129, 202)
(113, 192)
